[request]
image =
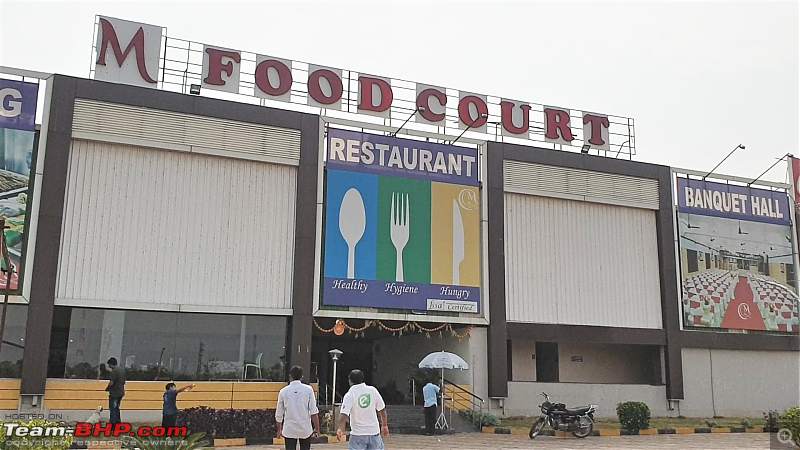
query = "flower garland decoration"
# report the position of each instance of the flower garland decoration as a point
(341, 326)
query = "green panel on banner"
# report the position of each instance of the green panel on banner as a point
(417, 252)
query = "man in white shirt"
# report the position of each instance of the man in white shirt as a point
(297, 409)
(361, 406)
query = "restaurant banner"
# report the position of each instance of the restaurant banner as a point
(402, 224)
(17, 137)
(737, 259)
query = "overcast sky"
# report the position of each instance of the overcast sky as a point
(698, 78)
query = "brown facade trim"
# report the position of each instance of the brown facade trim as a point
(305, 244)
(54, 183)
(736, 341)
(496, 334)
(48, 242)
(497, 152)
(668, 278)
(545, 332)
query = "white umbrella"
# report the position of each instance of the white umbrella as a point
(443, 360)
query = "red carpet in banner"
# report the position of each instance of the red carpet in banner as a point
(743, 313)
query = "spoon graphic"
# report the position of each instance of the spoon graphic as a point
(352, 221)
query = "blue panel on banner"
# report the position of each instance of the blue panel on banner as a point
(734, 202)
(336, 249)
(399, 295)
(18, 105)
(404, 158)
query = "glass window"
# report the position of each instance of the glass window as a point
(13, 341)
(175, 346)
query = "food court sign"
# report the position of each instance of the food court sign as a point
(402, 224)
(130, 52)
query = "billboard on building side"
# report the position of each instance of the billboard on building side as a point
(402, 224)
(737, 263)
(17, 136)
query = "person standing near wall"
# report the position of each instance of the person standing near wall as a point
(116, 390)
(362, 405)
(296, 411)
(430, 392)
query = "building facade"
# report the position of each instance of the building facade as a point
(215, 241)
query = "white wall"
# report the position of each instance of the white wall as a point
(604, 363)
(745, 383)
(524, 397)
(581, 263)
(523, 364)
(156, 229)
(479, 363)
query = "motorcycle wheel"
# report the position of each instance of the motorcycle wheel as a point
(536, 428)
(586, 425)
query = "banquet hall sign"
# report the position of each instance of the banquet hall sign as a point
(737, 263)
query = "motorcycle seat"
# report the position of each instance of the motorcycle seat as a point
(578, 411)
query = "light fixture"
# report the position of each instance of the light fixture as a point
(335, 354)
(769, 168)
(740, 146)
(194, 89)
(419, 109)
(585, 148)
(482, 116)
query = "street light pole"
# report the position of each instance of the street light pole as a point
(335, 354)
(740, 146)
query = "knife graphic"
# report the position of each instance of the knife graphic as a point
(458, 243)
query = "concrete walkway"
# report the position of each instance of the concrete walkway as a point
(498, 441)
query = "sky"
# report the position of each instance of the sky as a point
(698, 78)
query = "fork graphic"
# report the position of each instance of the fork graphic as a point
(399, 229)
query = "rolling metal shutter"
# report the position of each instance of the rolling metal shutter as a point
(153, 229)
(581, 185)
(580, 263)
(122, 124)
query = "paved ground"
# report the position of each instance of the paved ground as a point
(494, 441)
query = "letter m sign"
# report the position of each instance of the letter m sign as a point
(127, 52)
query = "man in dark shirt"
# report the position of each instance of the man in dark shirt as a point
(116, 389)
(170, 412)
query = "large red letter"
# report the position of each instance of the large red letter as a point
(284, 77)
(315, 91)
(366, 102)
(597, 132)
(556, 119)
(464, 115)
(422, 101)
(215, 66)
(137, 43)
(507, 117)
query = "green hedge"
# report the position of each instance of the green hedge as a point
(478, 417)
(790, 420)
(633, 416)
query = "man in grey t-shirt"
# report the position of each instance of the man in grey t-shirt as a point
(116, 390)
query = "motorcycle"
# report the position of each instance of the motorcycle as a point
(579, 421)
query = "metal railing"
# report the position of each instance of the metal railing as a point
(472, 403)
(328, 390)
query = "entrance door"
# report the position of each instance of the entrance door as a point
(547, 362)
